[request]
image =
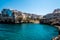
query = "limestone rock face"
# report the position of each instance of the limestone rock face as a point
(56, 11)
(56, 38)
(52, 18)
(15, 16)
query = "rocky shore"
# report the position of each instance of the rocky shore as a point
(56, 38)
(52, 19)
(9, 16)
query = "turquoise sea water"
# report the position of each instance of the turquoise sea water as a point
(27, 32)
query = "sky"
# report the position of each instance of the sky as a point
(40, 7)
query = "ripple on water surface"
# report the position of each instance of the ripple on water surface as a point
(27, 32)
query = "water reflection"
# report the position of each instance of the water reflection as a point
(10, 27)
(27, 32)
